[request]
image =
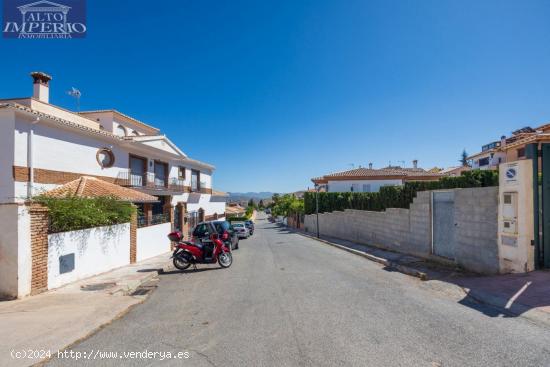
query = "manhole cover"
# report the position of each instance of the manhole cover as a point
(97, 286)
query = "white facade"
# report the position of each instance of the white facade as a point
(43, 146)
(152, 241)
(488, 160)
(72, 148)
(92, 251)
(361, 185)
(15, 251)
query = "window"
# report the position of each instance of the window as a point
(137, 171)
(483, 162)
(195, 180)
(105, 157)
(181, 173)
(521, 152)
(160, 174)
(120, 130)
(201, 230)
(366, 187)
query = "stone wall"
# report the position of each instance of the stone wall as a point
(409, 230)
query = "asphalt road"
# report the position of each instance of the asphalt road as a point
(292, 301)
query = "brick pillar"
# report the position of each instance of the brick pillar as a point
(39, 248)
(184, 221)
(148, 213)
(169, 209)
(133, 238)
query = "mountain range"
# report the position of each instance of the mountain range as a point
(238, 196)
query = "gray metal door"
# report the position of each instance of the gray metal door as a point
(443, 224)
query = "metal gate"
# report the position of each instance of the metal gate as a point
(177, 218)
(443, 224)
(192, 220)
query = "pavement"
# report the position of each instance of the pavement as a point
(526, 295)
(53, 320)
(288, 301)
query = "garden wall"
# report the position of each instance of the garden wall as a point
(409, 231)
(79, 254)
(153, 240)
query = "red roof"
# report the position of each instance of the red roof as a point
(87, 186)
(371, 173)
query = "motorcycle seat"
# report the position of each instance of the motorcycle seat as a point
(198, 245)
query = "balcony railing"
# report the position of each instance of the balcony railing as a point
(149, 180)
(155, 219)
(131, 179)
(176, 184)
(201, 189)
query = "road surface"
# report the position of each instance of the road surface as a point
(292, 301)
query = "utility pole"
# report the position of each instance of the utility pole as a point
(317, 189)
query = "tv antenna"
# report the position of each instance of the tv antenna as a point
(75, 93)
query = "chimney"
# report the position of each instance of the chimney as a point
(370, 165)
(41, 86)
(503, 140)
(415, 163)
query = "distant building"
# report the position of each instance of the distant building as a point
(372, 179)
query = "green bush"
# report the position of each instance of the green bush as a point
(72, 213)
(395, 196)
(238, 219)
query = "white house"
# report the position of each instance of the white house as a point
(43, 146)
(371, 179)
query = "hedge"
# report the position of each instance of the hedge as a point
(72, 213)
(238, 219)
(395, 196)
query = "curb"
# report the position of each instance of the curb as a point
(515, 310)
(393, 265)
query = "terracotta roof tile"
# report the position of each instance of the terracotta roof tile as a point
(87, 186)
(382, 172)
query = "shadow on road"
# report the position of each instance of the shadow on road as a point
(198, 270)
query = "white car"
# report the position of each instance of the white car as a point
(240, 229)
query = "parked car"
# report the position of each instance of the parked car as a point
(241, 229)
(224, 229)
(250, 225)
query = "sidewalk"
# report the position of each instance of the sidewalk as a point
(55, 319)
(526, 295)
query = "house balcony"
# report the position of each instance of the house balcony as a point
(200, 189)
(150, 183)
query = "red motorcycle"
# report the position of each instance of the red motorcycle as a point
(202, 252)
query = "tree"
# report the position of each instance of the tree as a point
(286, 205)
(251, 202)
(261, 204)
(464, 159)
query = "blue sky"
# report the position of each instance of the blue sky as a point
(276, 92)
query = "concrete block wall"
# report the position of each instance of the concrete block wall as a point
(409, 230)
(476, 231)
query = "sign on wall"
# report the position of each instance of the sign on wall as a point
(511, 174)
(44, 19)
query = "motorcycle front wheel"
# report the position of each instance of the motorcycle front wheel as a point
(225, 259)
(181, 262)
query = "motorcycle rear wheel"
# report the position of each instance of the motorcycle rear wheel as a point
(181, 262)
(225, 259)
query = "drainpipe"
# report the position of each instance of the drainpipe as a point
(30, 163)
